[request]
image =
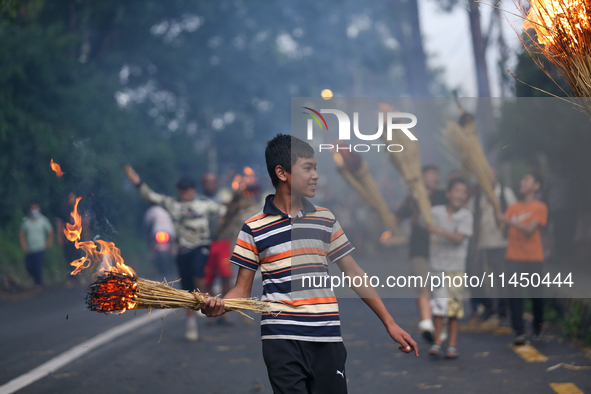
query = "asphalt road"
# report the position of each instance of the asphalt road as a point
(155, 358)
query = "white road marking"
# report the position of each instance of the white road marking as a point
(77, 351)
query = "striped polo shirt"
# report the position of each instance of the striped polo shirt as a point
(293, 255)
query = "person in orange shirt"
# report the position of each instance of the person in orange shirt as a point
(525, 252)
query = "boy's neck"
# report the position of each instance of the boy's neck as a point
(529, 197)
(451, 209)
(287, 203)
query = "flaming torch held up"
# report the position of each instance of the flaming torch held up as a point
(563, 35)
(117, 288)
(356, 172)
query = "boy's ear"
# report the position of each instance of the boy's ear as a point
(281, 173)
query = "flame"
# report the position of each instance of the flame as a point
(241, 182)
(96, 252)
(549, 17)
(338, 158)
(56, 167)
(385, 236)
(113, 293)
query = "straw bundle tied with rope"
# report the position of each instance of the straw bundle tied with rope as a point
(358, 175)
(408, 164)
(562, 35)
(116, 293)
(461, 139)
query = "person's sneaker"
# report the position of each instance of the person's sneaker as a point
(443, 335)
(192, 333)
(520, 340)
(426, 329)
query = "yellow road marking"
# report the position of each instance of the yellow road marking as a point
(529, 353)
(565, 388)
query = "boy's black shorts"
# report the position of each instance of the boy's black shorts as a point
(191, 265)
(305, 367)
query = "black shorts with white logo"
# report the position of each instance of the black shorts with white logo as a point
(305, 367)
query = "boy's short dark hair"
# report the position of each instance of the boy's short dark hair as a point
(284, 150)
(186, 182)
(429, 167)
(537, 178)
(452, 182)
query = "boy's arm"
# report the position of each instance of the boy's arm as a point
(369, 295)
(242, 289)
(148, 194)
(23, 241)
(454, 237)
(528, 228)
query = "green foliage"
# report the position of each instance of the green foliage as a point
(98, 84)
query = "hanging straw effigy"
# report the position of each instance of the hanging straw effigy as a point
(117, 293)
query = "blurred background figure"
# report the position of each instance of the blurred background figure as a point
(71, 253)
(36, 236)
(161, 235)
(419, 243)
(190, 214)
(488, 244)
(218, 262)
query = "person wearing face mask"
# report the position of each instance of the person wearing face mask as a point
(36, 236)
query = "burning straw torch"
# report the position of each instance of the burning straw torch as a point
(563, 36)
(117, 288)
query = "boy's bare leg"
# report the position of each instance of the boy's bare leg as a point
(452, 327)
(438, 322)
(424, 307)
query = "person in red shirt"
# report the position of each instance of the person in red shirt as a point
(525, 251)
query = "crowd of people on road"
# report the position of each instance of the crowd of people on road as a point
(470, 235)
(205, 232)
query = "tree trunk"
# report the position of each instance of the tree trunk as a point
(479, 46)
(407, 31)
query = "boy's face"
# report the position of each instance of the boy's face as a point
(303, 178)
(186, 194)
(431, 179)
(457, 196)
(528, 185)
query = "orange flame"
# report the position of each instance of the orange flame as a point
(241, 182)
(56, 167)
(547, 17)
(96, 252)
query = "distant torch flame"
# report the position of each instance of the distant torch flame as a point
(338, 158)
(386, 235)
(241, 182)
(569, 17)
(96, 252)
(56, 167)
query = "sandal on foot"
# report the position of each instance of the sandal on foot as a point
(435, 349)
(452, 352)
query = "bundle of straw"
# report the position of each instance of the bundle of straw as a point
(408, 164)
(357, 174)
(563, 36)
(116, 293)
(460, 137)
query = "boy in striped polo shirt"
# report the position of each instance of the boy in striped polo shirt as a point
(290, 239)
